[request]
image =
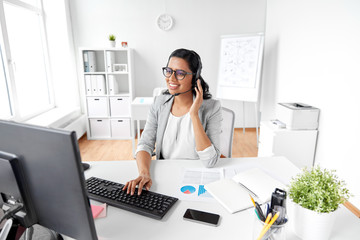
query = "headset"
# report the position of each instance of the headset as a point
(198, 71)
(197, 75)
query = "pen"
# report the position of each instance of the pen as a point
(257, 214)
(268, 209)
(267, 226)
(261, 214)
(258, 210)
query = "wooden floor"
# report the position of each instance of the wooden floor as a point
(244, 145)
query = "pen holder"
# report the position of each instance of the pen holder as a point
(275, 232)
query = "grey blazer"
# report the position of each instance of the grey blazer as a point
(210, 117)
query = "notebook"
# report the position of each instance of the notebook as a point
(233, 193)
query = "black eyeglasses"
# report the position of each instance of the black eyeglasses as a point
(179, 74)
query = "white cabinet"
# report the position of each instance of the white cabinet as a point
(296, 145)
(107, 77)
(120, 106)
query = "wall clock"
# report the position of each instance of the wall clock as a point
(165, 22)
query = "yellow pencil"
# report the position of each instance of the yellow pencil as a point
(268, 219)
(267, 227)
(252, 201)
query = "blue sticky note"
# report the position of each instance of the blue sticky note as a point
(142, 100)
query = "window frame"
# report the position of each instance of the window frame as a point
(9, 64)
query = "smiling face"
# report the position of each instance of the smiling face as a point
(178, 86)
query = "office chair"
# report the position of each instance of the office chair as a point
(227, 132)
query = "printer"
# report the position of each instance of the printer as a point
(298, 116)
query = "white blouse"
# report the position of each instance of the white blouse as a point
(179, 140)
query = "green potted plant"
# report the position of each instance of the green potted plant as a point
(315, 196)
(112, 39)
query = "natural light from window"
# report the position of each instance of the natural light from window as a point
(5, 110)
(32, 2)
(28, 59)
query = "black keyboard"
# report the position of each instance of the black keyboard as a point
(148, 204)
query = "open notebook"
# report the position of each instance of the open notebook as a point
(233, 193)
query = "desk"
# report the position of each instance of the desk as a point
(166, 174)
(140, 108)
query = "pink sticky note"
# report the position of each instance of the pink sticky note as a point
(96, 210)
(103, 213)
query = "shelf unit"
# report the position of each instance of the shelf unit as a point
(107, 75)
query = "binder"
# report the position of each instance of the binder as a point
(86, 62)
(112, 85)
(93, 84)
(92, 61)
(100, 80)
(88, 85)
(110, 60)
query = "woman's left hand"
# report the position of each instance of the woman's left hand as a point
(194, 110)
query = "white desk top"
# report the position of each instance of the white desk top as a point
(166, 174)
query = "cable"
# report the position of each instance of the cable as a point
(12, 210)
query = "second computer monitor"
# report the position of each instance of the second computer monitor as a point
(51, 164)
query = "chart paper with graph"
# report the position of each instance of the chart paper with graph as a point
(193, 180)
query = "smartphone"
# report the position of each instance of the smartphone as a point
(202, 217)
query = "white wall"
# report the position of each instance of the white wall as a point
(313, 56)
(198, 26)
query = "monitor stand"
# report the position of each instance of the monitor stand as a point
(86, 166)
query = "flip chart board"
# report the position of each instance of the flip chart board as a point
(240, 67)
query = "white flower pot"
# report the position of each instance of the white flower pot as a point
(310, 225)
(112, 43)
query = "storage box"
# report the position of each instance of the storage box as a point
(120, 128)
(97, 106)
(298, 116)
(120, 106)
(99, 128)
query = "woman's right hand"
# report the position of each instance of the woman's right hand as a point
(143, 180)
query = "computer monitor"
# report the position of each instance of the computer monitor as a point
(51, 165)
(14, 193)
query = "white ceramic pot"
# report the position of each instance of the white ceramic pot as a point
(112, 43)
(310, 225)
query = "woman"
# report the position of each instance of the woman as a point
(184, 122)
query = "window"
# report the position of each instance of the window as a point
(5, 107)
(27, 60)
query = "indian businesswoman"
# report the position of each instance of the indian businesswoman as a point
(184, 121)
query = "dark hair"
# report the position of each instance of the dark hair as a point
(194, 61)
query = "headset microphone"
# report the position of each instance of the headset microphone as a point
(177, 94)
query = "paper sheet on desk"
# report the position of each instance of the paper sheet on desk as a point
(233, 193)
(193, 180)
(230, 172)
